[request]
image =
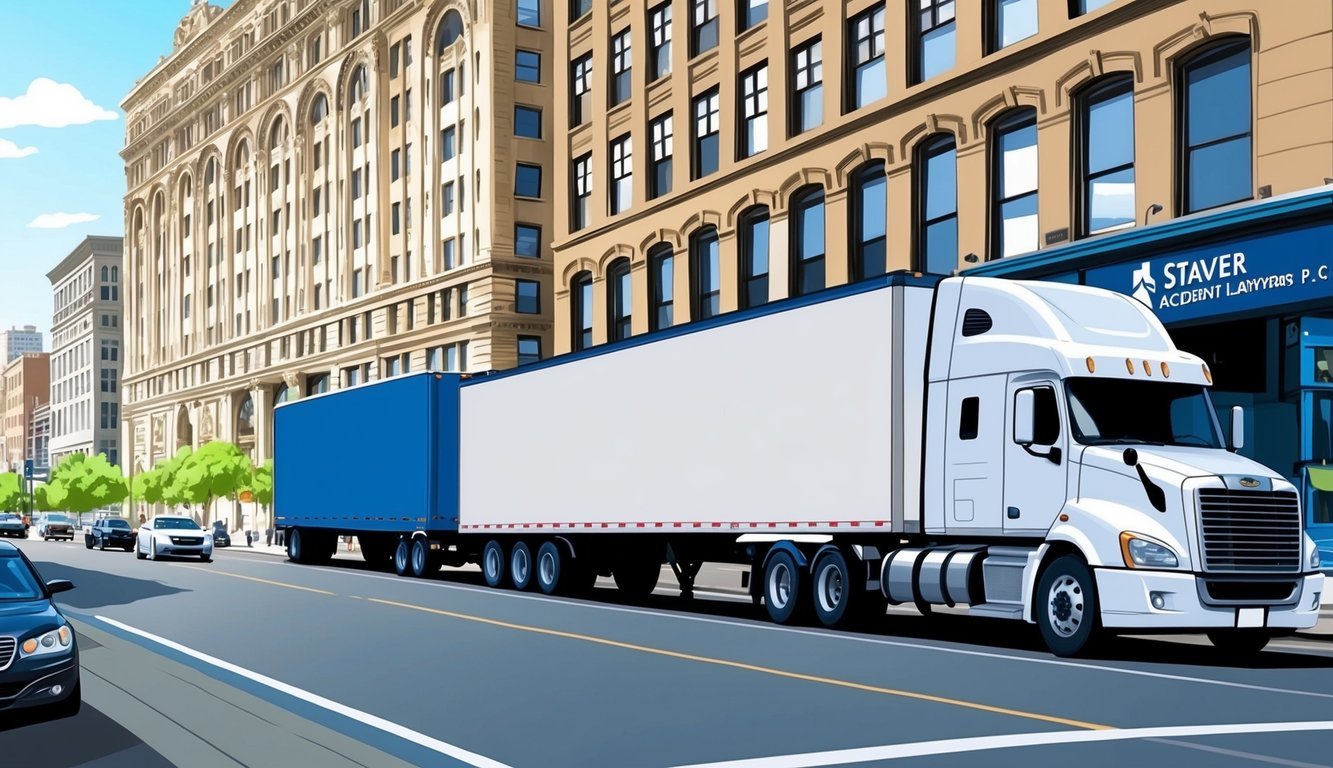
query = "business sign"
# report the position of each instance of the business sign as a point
(1237, 275)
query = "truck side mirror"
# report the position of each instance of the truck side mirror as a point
(1237, 440)
(1025, 417)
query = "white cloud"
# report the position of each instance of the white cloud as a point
(9, 149)
(51, 105)
(61, 220)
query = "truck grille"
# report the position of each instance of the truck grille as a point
(8, 646)
(1250, 531)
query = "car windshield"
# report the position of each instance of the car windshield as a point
(1126, 412)
(57, 519)
(17, 581)
(8, 518)
(116, 524)
(175, 522)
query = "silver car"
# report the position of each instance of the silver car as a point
(56, 526)
(173, 535)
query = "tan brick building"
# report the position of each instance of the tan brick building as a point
(719, 155)
(26, 387)
(325, 192)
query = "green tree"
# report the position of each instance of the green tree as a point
(81, 484)
(11, 492)
(218, 469)
(262, 488)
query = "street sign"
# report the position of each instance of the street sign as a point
(27, 468)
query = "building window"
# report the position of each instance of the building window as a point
(397, 211)
(528, 181)
(357, 287)
(527, 241)
(447, 143)
(1080, 7)
(530, 13)
(580, 296)
(754, 257)
(449, 253)
(1104, 131)
(528, 66)
(621, 67)
(751, 12)
(1014, 183)
(754, 110)
(660, 176)
(527, 122)
(707, 124)
(579, 8)
(807, 241)
(580, 107)
(661, 286)
(447, 87)
(395, 164)
(937, 206)
(1215, 119)
(703, 26)
(869, 81)
(108, 380)
(527, 297)
(622, 175)
(659, 54)
(1009, 21)
(808, 80)
(529, 349)
(447, 198)
(935, 30)
(705, 274)
(870, 208)
(582, 192)
(619, 301)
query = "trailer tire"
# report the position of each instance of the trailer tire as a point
(296, 545)
(493, 563)
(520, 566)
(402, 557)
(425, 561)
(834, 594)
(784, 585)
(636, 579)
(1067, 607)
(1240, 642)
(552, 569)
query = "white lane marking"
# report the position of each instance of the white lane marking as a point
(829, 634)
(402, 732)
(1008, 741)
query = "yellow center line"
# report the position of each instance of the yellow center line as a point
(754, 668)
(261, 581)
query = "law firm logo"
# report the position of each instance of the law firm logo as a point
(1144, 284)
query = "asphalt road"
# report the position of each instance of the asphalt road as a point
(251, 660)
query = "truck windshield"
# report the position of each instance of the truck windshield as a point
(1122, 411)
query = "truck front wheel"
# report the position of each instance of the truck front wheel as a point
(1067, 606)
(1239, 642)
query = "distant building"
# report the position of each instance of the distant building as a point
(27, 386)
(16, 341)
(86, 350)
(39, 436)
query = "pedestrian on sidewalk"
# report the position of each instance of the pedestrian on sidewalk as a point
(268, 536)
(249, 540)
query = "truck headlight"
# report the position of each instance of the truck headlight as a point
(1312, 553)
(1141, 552)
(55, 641)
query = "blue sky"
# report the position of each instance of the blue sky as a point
(100, 48)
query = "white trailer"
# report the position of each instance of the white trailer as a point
(1036, 451)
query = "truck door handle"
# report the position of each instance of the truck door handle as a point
(1013, 513)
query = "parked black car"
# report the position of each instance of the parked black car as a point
(39, 658)
(220, 536)
(111, 532)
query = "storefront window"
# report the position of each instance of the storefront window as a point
(1321, 428)
(1323, 365)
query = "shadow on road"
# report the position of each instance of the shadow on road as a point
(98, 589)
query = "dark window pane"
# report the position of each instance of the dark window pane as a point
(969, 418)
(942, 246)
(1219, 97)
(527, 241)
(708, 154)
(1220, 174)
(528, 122)
(941, 184)
(528, 182)
(528, 67)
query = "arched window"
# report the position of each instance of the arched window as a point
(619, 303)
(278, 134)
(754, 257)
(936, 172)
(705, 275)
(870, 207)
(242, 153)
(450, 30)
(106, 274)
(245, 418)
(580, 298)
(209, 171)
(1104, 155)
(319, 110)
(807, 241)
(1014, 226)
(1215, 118)
(359, 85)
(115, 274)
(661, 290)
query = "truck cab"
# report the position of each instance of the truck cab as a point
(1075, 431)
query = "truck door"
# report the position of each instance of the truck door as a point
(974, 462)
(1035, 475)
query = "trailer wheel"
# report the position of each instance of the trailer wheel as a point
(424, 560)
(637, 578)
(520, 565)
(783, 588)
(1067, 609)
(551, 568)
(835, 595)
(296, 545)
(402, 557)
(1239, 642)
(493, 563)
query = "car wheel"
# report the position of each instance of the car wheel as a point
(87, 543)
(205, 558)
(128, 547)
(101, 544)
(138, 549)
(152, 549)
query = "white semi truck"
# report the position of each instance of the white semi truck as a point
(1034, 451)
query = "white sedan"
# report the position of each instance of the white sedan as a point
(173, 535)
